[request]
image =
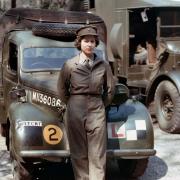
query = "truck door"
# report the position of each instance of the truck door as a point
(9, 73)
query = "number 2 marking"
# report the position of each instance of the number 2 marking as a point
(51, 138)
(52, 134)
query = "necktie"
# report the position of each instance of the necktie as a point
(87, 63)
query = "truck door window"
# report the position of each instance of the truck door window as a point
(13, 57)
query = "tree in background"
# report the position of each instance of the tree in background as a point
(69, 5)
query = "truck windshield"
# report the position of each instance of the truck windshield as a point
(46, 58)
(49, 58)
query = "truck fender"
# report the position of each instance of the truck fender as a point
(173, 76)
(28, 123)
(130, 117)
(116, 36)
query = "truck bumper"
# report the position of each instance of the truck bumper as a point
(45, 153)
(131, 153)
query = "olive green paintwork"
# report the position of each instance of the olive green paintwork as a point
(46, 84)
(29, 140)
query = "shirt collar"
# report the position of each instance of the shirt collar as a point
(83, 58)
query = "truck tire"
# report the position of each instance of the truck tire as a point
(167, 107)
(20, 171)
(5, 133)
(62, 31)
(42, 171)
(132, 168)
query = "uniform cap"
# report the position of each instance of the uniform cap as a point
(87, 30)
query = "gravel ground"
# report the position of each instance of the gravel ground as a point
(166, 164)
(5, 164)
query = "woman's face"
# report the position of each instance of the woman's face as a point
(88, 43)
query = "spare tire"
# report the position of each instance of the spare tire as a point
(61, 31)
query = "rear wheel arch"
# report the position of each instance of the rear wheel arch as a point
(152, 88)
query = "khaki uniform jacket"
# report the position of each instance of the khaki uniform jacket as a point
(77, 79)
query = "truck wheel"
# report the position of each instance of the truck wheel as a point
(132, 168)
(20, 171)
(5, 133)
(167, 107)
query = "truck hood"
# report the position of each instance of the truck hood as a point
(45, 82)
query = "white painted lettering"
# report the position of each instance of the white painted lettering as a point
(45, 99)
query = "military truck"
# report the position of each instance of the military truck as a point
(34, 45)
(153, 25)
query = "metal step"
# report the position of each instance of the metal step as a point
(139, 68)
(138, 83)
(136, 76)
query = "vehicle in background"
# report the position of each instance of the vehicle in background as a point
(154, 25)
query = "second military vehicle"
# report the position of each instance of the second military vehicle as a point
(144, 46)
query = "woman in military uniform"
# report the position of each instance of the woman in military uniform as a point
(86, 85)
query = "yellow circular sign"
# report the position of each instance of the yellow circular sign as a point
(52, 134)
